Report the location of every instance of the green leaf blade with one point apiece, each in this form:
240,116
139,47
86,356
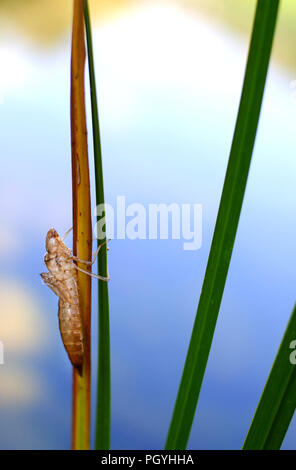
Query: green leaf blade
278,400
103,413
226,224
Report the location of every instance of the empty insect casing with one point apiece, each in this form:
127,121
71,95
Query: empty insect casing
62,280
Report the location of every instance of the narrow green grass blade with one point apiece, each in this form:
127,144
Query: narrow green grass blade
226,224
278,400
103,413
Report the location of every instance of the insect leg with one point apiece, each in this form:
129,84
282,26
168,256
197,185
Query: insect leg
66,234
97,276
90,263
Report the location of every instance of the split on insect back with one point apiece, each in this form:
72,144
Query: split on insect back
62,279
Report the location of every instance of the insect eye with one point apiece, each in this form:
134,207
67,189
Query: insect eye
51,244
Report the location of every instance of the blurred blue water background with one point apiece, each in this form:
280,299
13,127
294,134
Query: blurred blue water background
169,85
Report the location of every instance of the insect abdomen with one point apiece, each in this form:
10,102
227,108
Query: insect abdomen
71,331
